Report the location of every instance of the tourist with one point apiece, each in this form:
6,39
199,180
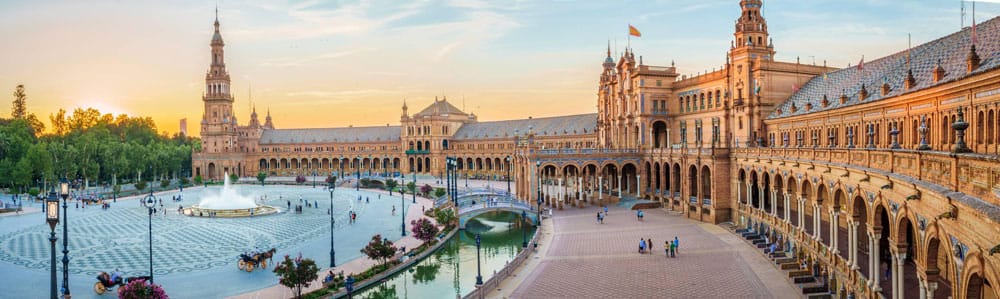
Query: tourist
329,277
666,248
366,200
289,203
650,242
887,271
677,244
394,210
673,249
605,210
598,217
642,245
315,203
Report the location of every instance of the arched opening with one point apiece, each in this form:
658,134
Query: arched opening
860,215
444,144
692,175
659,134
706,185
939,268
427,164
212,171
824,214
741,187
676,181
629,173
807,208
779,197
262,164
765,193
906,243
843,240
979,288
793,201
655,177
883,256
754,191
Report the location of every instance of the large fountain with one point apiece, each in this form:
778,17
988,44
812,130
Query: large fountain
228,204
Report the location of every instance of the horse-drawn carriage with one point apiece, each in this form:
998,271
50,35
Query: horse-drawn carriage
250,260
106,281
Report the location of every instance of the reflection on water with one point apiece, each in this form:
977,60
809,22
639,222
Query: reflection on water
451,271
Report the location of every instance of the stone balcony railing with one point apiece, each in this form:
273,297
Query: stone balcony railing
976,175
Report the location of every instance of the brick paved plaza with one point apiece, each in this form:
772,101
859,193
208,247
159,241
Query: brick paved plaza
583,259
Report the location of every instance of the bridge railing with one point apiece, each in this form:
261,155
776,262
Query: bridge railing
499,204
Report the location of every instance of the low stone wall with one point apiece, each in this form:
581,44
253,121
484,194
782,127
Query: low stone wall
362,285
498,277
195,211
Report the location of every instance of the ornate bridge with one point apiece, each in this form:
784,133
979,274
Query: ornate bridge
475,202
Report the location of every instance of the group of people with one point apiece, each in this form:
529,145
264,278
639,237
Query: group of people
669,247
601,215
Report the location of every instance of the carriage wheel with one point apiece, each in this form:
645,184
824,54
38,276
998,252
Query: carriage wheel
241,264
263,264
99,288
249,267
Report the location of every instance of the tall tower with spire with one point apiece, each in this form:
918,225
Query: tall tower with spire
218,123
750,39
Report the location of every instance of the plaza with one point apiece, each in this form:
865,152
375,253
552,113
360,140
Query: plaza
194,257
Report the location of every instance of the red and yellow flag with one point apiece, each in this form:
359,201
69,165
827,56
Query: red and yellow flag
633,31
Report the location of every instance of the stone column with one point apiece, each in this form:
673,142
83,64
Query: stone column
788,211
749,196
897,275
579,190
774,206
638,187
854,244
874,253
559,192
931,288
817,223
802,214
834,228
923,287
600,189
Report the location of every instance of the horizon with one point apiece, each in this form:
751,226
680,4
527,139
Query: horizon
362,60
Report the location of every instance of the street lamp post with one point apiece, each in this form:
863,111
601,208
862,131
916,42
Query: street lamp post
357,169
402,214
538,212
52,217
333,252
150,203
314,182
508,176
479,273
414,187
64,192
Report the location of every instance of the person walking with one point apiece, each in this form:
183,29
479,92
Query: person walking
673,249
666,248
650,242
677,244
638,215
598,217
642,246
605,210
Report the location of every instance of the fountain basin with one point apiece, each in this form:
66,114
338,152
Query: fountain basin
197,211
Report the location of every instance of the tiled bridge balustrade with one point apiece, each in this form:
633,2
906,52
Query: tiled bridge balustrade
931,218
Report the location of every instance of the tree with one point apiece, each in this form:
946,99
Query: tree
234,177
331,180
391,184
426,189
412,187
300,179
424,230
379,249
19,108
439,192
261,176
444,216
296,273
198,180
140,185
164,183
139,289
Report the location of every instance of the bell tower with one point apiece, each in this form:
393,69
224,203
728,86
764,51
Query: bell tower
750,39
218,123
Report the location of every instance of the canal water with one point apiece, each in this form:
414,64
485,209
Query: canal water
451,271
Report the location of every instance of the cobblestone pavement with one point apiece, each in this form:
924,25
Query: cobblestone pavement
590,260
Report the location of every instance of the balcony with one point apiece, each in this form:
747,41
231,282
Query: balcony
417,152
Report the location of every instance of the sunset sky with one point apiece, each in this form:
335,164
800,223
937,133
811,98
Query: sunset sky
339,63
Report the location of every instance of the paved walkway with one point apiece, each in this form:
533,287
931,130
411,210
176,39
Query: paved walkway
579,258
354,266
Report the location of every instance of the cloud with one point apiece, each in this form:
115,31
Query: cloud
298,61
308,20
